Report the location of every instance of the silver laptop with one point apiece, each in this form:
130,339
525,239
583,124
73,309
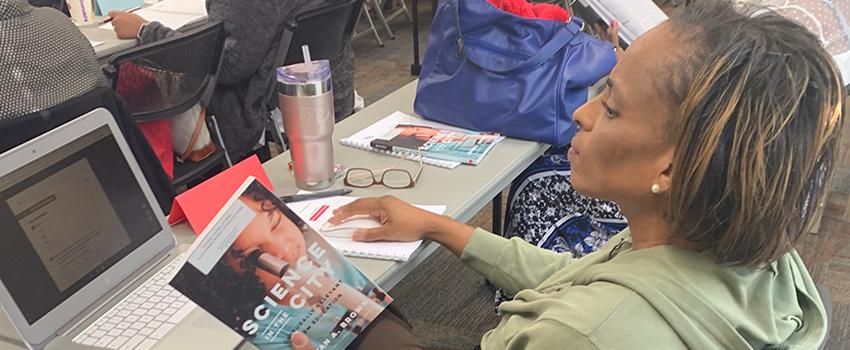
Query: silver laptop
86,253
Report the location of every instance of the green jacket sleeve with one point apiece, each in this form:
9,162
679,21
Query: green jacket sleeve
511,264
543,334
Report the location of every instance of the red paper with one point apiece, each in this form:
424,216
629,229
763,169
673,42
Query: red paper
199,204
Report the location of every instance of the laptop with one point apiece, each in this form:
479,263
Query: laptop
86,253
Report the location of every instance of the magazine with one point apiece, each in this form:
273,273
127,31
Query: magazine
262,271
402,135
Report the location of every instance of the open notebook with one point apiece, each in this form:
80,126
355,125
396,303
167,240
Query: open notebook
448,148
317,212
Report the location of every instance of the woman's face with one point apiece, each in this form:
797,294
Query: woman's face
271,232
621,149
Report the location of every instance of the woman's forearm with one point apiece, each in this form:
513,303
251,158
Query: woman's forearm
449,233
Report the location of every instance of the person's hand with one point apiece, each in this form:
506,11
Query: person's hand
126,24
614,37
300,341
399,221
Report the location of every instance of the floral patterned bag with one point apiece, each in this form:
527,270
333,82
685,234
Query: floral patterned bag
544,209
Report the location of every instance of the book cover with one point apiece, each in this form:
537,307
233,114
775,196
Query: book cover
463,146
404,138
262,271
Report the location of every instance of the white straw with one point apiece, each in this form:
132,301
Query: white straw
306,51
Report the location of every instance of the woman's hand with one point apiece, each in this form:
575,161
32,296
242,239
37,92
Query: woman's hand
400,221
300,341
403,222
126,24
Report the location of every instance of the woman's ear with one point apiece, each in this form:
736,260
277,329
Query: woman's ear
664,179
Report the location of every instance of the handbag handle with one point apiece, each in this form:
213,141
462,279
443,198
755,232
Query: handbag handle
195,134
563,37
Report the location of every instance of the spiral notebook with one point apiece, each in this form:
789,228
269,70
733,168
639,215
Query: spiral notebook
317,212
363,139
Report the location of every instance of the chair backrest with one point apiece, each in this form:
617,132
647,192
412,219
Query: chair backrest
326,29
15,131
164,78
56,4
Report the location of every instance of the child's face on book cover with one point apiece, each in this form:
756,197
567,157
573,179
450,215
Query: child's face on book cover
270,231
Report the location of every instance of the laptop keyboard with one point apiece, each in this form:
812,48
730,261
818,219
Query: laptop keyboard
143,317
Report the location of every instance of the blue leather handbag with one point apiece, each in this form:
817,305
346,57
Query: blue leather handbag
489,70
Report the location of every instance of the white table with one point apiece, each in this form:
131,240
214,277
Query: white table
464,190
110,43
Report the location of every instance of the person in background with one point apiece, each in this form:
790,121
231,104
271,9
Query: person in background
245,93
716,134
40,71
46,61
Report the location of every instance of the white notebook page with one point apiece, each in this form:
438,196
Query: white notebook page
191,7
317,212
168,19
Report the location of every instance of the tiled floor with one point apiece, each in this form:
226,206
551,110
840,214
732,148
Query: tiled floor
383,70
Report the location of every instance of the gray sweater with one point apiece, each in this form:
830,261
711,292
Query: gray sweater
246,80
44,59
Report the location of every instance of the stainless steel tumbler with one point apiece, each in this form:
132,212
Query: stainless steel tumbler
305,99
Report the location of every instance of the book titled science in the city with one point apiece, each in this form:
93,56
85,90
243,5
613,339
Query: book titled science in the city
265,273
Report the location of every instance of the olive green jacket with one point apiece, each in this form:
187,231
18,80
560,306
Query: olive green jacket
660,298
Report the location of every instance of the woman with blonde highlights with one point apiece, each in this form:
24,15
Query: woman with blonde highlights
716,135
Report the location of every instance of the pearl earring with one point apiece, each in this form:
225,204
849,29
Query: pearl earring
656,188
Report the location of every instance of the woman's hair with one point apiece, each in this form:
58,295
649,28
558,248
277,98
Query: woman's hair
258,193
756,130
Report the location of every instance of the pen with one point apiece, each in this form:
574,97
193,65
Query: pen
316,195
127,10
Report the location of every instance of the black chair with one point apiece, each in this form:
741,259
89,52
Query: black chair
326,29
184,68
57,4
15,131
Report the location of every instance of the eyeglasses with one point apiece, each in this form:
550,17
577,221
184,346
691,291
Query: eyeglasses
392,177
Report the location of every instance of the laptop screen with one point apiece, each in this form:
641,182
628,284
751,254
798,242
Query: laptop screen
66,217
